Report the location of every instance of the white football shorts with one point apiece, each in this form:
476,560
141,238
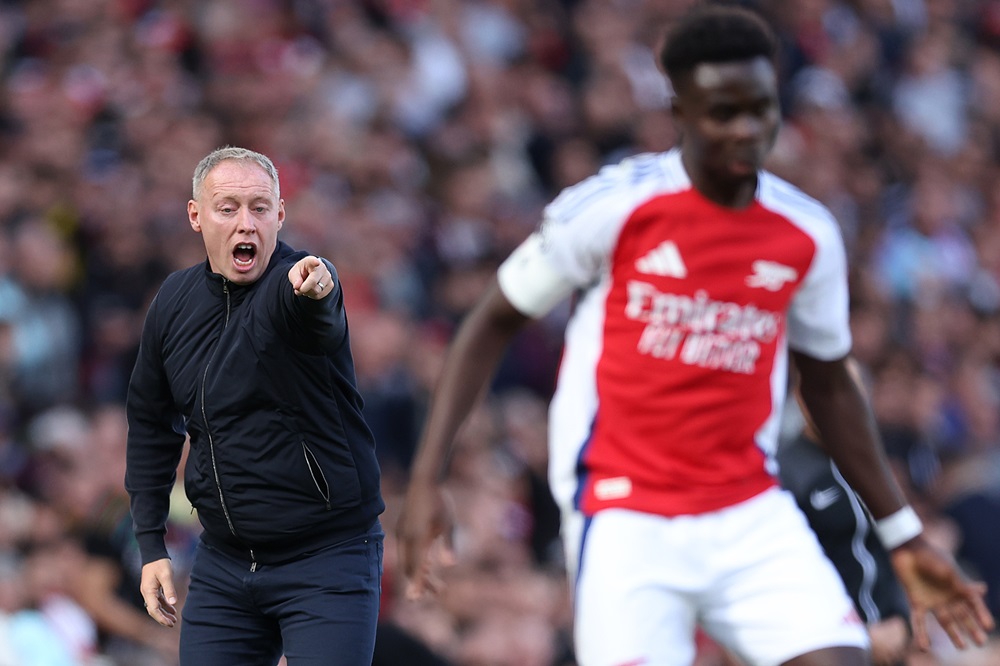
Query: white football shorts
753,576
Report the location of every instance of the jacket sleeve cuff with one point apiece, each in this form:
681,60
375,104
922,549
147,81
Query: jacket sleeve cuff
151,547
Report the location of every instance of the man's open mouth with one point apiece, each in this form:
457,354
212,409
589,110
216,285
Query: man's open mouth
244,254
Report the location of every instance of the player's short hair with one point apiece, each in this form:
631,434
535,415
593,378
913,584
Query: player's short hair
715,32
214,158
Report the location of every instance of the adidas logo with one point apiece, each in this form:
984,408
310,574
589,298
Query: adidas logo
664,259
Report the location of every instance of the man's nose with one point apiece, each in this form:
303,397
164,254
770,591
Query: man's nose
246,221
747,127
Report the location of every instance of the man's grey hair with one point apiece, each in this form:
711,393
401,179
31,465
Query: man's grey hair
214,158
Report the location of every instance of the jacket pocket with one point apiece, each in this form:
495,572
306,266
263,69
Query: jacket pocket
316,472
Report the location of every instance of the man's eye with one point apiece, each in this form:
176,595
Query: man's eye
260,209
723,114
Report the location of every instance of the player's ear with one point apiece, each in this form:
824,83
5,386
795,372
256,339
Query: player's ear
676,109
678,87
193,217
281,212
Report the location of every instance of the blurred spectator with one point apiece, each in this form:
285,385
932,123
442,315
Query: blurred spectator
81,467
28,637
926,252
44,328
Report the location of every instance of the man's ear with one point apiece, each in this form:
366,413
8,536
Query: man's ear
676,109
281,212
193,215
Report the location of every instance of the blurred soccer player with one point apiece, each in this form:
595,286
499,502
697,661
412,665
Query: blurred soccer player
695,273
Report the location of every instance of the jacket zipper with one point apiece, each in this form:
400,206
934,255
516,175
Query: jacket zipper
316,472
208,432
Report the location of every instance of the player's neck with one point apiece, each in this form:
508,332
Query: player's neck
736,194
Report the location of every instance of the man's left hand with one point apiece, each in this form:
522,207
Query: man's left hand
310,277
934,584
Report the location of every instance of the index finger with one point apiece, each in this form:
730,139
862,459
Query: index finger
314,271
412,551
427,578
414,533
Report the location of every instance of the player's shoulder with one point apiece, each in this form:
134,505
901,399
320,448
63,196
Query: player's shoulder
644,170
623,184
782,197
647,167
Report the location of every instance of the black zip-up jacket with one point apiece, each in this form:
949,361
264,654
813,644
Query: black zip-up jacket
281,460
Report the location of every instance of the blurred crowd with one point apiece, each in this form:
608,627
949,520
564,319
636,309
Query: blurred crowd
417,142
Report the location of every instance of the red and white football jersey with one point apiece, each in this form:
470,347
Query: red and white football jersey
674,366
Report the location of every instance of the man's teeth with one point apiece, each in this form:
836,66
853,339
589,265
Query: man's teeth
248,250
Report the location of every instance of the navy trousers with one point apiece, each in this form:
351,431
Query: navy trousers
320,610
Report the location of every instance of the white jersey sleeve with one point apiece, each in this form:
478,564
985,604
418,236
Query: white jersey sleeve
578,231
818,318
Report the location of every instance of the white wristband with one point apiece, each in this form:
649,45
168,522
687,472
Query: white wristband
896,529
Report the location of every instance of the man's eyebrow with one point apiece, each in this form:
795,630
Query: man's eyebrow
253,198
